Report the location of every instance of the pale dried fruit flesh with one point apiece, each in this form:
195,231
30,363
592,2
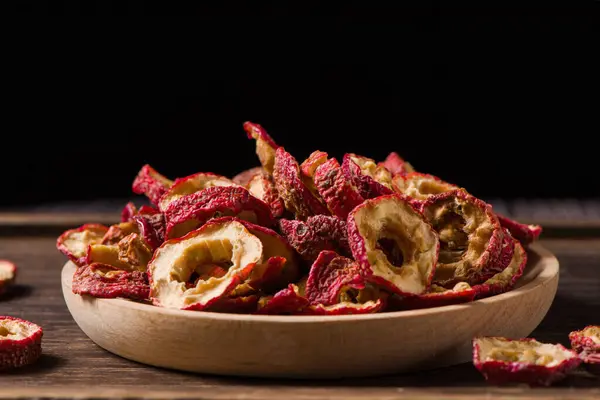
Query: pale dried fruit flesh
437,296
396,164
117,232
338,192
244,177
586,342
192,184
150,183
74,243
227,243
420,186
501,361
129,254
394,246
265,145
506,279
526,234
371,180
8,273
310,165
20,342
109,282
263,188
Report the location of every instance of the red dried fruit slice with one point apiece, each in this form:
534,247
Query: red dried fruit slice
244,177
420,186
329,276
236,305
191,211
470,236
130,254
265,145
394,246
339,193
288,301
192,184
152,226
317,233
175,260
263,188
503,261
109,282
369,179
151,183
74,243
586,342
296,196
310,165
20,342
346,308
501,360
8,273
396,164
438,296
526,234
118,231
128,212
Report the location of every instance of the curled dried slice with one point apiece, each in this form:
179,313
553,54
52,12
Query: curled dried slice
151,183
128,212
347,307
244,177
226,243
526,234
191,211
265,145
335,188
505,280
296,196
310,165
20,342
192,184
152,227
394,246
235,305
470,236
397,165
288,301
263,188
501,360
118,231
330,276
369,179
438,296
587,342
107,281
130,254
74,243
8,273
317,233
420,186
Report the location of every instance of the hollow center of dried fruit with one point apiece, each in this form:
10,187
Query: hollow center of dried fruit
359,296
392,251
453,239
4,331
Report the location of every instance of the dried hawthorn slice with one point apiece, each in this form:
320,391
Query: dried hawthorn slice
526,234
502,261
265,145
310,165
152,226
392,243
235,305
505,280
397,165
369,179
226,243
109,282
288,301
438,296
74,243
151,183
130,253
345,308
20,342
8,273
501,360
470,236
296,196
587,342
191,211
420,186
331,275
118,231
263,188
333,186
192,184
244,177
128,212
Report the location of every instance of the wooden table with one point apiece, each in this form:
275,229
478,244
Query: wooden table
74,367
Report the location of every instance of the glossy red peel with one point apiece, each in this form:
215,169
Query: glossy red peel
192,184
335,188
128,212
396,164
20,343
106,281
287,301
152,227
150,183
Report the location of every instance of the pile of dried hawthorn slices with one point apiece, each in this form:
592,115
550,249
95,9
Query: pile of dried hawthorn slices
313,238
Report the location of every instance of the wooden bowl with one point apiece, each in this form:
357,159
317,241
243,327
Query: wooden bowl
313,346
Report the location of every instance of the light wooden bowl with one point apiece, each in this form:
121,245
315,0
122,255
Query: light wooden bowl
313,346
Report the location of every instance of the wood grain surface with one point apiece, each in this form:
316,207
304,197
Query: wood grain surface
73,367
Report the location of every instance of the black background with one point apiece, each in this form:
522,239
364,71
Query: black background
502,101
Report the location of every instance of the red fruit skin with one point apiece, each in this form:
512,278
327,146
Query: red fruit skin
366,186
128,212
503,372
297,197
263,188
148,210
244,177
254,131
21,352
310,165
338,192
150,183
235,305
131,285
401,184
430,300
589,351
79,261
197,208
285,302
328,275
346,308
192,184
396,164
7,266
526,234
152,227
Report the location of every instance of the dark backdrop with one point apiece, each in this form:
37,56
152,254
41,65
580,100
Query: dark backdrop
499,101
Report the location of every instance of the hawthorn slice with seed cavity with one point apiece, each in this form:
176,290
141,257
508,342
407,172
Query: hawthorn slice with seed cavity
20,343
396,164
263,188
526,234
437,296
420,187
244,177
109,282
470,236
74,243
150,183
8,273
152,227
192,184
340,195
296,196
586,342
501,360
265,145
369,179
191,211
393,245
228,244
128,212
